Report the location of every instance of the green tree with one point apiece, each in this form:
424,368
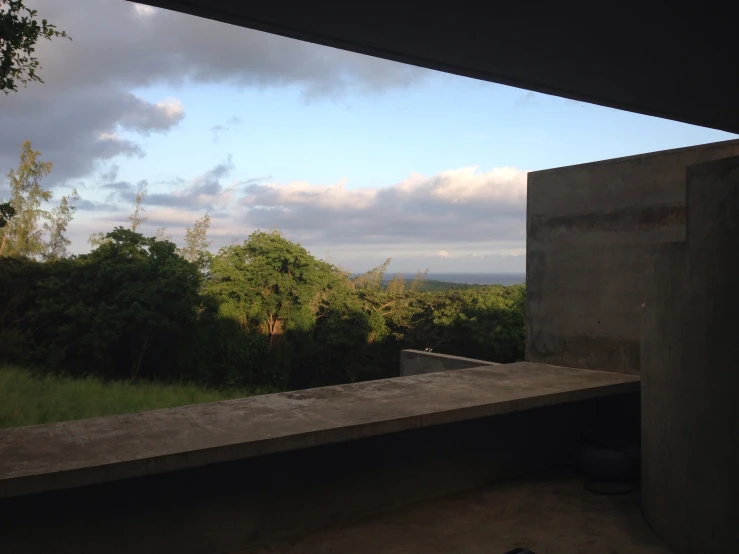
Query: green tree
269,282
56,226
7,212
372,280
23,235
19,278
162,234
97,239
197,243
130,300
137,218
19,33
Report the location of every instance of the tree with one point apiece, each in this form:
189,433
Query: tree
161,234
197,243
372,280
7,212
59,219
97,239
137,217
130,299
23,235
19,33
269,282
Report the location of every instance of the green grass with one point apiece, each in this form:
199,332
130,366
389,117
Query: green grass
26,399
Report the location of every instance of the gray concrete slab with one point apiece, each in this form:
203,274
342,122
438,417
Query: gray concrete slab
83,452
549,513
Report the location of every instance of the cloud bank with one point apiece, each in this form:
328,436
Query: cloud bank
85,113
462,214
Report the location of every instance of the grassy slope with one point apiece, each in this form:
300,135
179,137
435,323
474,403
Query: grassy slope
29,400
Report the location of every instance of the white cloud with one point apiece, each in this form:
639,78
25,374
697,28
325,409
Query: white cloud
143,10
462,203
457,218
119,46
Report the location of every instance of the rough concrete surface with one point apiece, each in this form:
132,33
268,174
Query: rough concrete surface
225,506
690,378
589,228
83,452
549,513
418,362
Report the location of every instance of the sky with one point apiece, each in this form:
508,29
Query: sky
356,158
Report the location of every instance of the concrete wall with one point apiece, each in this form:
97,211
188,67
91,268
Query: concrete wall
690,372
589,228
224,507
417,362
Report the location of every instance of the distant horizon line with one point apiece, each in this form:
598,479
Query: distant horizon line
450,272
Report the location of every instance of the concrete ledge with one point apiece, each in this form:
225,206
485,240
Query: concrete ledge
418,362
91,451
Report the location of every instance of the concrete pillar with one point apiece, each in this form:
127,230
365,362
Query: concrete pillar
690,371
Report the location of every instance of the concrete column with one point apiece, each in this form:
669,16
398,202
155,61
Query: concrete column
690,371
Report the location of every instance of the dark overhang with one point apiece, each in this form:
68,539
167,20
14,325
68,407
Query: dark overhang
681,69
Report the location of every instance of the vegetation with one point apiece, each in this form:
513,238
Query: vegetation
19,33
430,285
34,399
263,313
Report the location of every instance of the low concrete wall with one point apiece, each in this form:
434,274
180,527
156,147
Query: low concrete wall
418,362
589,228
227,506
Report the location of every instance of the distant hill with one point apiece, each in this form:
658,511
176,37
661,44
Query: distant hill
431,285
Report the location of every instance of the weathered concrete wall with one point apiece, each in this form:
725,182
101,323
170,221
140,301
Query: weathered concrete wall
417,362
690,372
588,231
223,507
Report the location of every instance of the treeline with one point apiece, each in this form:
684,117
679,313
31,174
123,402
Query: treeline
263,312
431,285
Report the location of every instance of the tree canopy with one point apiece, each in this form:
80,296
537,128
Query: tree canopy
264,312
19,33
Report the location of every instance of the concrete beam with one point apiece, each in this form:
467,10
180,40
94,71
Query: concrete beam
84,452
526,46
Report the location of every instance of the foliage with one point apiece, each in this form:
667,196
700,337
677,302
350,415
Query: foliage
197,244
430,285
137,218
97,239
270,314
19,33
23,234
56,226
30,399
268,283
7,212
261,313
127,302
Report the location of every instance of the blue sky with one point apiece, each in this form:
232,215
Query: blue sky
356,158
372,140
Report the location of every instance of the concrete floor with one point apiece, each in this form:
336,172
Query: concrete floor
549,514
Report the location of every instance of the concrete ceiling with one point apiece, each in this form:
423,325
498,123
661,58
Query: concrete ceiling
686,70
